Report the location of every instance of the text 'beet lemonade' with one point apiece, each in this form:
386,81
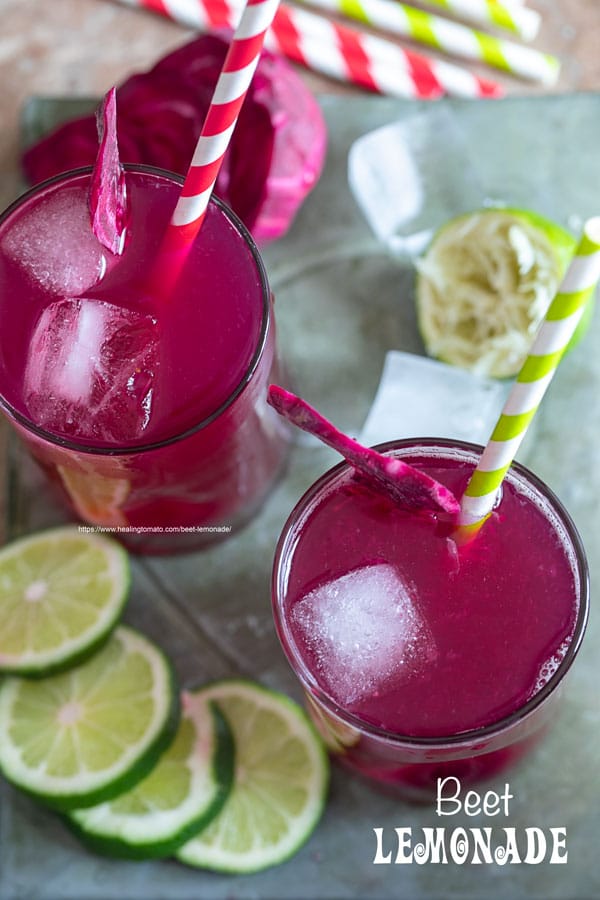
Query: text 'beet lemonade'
420,659
146,414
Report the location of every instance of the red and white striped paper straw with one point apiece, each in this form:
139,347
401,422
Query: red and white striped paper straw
337,50
230,91
442,34
371,61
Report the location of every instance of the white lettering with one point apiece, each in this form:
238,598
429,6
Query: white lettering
492,803
508,853
441,783
536,846
482,838
380,859
433,848
559,842
459,846
477,846
404,843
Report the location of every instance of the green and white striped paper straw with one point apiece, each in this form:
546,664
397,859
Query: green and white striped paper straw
450,37
554,334
505,14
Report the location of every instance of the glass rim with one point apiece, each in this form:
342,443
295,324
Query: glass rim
133,449
494,729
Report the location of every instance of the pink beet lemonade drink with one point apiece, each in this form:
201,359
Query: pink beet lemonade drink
150,416
419,660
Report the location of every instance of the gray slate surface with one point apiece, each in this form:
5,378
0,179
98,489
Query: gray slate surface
341,304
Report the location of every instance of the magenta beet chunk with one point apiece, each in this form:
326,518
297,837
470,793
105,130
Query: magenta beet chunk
275,156
108,195
407,486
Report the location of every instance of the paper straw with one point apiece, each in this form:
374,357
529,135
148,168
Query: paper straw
344,56
505,14
337,51
451,37
555,332
230,91
381,65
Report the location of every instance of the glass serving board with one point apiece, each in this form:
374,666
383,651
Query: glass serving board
341,303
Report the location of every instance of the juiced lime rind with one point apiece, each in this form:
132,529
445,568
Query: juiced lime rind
29,725
563,242
181,795
489,341
280,784
79,617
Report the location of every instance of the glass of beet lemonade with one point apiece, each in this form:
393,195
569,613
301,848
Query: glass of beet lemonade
420,658
150,417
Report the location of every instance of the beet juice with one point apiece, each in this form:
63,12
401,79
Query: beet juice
419,658
150,415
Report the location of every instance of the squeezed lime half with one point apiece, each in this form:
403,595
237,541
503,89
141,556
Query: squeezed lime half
484,285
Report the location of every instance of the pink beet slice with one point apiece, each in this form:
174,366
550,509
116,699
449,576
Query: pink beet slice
407,486
107,195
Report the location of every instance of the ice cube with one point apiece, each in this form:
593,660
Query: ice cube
410,176
363,629
91,369
421,397
55,246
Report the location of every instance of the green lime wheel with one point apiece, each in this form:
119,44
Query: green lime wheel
180,796
61,594
280,783
85,735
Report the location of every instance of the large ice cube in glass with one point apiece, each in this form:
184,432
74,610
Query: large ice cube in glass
91,370
363,629
55,246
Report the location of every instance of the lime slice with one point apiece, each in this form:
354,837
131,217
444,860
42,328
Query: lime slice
280,783
97,498
86,735
484,285
179,797
61,594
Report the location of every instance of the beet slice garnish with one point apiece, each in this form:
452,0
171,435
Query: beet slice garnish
408,487
108,195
